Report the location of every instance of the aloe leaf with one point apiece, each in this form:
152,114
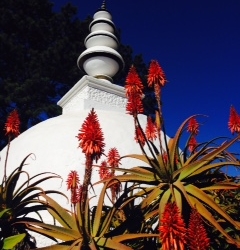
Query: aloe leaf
28,183
12,241
163,201
133,178
104,227
4,211
177,198
57,232
138,171
203,197
124,237
60,214
178,184
19,194
153,195
149,161
220,186
202,151
110,243
98,215
191,168
208,216
174,142
214,166
58,247
151,214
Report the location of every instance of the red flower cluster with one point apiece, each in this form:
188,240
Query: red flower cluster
156,74
104,172
139,136
234,121
151,130
156,77
12,124
193,126
91,139
134,93
113,161
172,228
72,180
197,235
113,158
192,144
133,82
76,188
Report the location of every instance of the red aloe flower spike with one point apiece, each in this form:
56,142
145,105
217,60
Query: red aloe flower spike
12,130
134,93
73,183
192,144
12,124
157,79
76,195
91,139
133,83
104,172
134,105
139,136
234,121
156,74
115,190
72,180
197,235
172,228
193,126
151,130
113,158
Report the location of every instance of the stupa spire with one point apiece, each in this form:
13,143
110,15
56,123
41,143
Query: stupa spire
101,59
103,7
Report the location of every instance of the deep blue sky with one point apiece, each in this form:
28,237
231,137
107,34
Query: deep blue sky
197,42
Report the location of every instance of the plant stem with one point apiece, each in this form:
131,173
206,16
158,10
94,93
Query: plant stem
5,164
84,197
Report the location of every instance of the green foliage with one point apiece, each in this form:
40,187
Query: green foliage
189,180
38,57
99,228
19,199
12,241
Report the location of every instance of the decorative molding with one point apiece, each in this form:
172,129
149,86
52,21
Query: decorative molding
90,92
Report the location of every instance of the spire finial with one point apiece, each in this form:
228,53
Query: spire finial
103,7
101,59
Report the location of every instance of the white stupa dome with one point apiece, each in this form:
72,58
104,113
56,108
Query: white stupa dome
53,142
54,145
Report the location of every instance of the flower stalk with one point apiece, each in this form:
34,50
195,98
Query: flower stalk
12,126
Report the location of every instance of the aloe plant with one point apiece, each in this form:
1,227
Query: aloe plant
187,180
19,199
188,175
103,226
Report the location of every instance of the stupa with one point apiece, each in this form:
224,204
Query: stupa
53,142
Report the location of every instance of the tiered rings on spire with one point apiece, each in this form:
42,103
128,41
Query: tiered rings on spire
101,59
